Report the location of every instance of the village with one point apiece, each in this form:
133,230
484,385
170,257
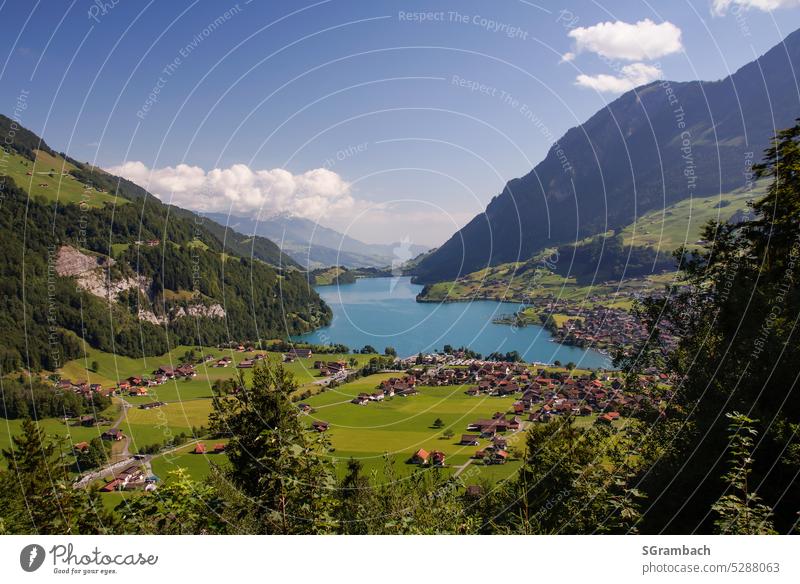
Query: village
526,394
537,396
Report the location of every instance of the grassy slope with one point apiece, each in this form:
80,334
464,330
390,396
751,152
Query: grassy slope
666,230
54,172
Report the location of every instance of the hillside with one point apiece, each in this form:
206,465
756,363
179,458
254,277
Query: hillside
653,146
621,266
124,272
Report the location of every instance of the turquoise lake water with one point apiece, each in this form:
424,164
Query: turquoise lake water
383,312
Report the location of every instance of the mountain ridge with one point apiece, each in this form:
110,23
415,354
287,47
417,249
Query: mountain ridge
680,139
313,245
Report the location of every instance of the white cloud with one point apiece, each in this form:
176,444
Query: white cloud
720,7
313,194
567,57
630,76
631,42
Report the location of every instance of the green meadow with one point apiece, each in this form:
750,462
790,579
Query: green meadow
188,401
49,178
399,426
392,429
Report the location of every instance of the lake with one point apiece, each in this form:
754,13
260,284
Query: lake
384,312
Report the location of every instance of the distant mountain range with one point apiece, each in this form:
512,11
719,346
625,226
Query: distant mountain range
651,147
313,246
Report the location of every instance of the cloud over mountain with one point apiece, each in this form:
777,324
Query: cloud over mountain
243,190
630,76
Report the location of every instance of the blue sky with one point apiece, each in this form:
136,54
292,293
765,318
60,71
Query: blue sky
364,115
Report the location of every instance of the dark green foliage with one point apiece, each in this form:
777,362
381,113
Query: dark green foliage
93,457
283,470
604,259
235,243
31,398
258,300
739,511
21,140
36,496
738,351
573,480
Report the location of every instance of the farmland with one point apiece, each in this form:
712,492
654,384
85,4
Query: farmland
399,426
392,429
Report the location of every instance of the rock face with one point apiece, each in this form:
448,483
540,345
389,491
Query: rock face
72,262
91,273
199,311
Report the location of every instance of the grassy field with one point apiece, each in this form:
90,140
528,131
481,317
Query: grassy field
501,283
394,428
198,465
188,400
50,178
58,429
398,426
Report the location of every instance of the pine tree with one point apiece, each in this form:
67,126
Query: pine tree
36,495
285,470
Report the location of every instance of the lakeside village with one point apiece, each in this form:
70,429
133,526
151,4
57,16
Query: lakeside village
585,325
540,394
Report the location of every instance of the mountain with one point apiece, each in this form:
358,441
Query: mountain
90,258
655,145
313,245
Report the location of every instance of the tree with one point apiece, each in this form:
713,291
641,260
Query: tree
740,511
570,366
93,456
737,350
390,352
181,506
353,362
448,434
278,465
369,350
438,423
36,495
573,480
95,366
